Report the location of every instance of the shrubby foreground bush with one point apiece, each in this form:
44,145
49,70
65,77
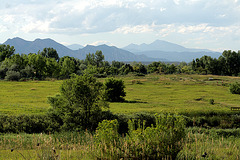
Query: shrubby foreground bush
164,140
235,88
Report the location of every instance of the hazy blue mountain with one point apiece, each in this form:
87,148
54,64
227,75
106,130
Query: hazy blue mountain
143,52
170,51
113,53
26,47
75,46
179,56
110,53
160,45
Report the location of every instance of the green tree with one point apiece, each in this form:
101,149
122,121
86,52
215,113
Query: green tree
231,61
125,69
171,69
79,102
68,67
50,53
52,68
6,51
157,67
117,64
38,62
95,59
114,90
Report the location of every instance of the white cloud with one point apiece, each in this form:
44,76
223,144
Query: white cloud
134,29
37,26
101,42
162,18
93,16
3,29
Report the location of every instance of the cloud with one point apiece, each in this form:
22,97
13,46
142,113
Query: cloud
213,19
101,42
94,16
2,29
135,29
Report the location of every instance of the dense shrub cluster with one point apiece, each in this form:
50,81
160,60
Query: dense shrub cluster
216,121
156,142
235,88
28,124
114,90
52,122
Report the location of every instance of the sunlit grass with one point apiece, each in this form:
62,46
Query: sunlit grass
152,93
177,93
26,97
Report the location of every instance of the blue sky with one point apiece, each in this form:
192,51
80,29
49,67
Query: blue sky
208,24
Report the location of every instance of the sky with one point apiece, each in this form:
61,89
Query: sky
205,24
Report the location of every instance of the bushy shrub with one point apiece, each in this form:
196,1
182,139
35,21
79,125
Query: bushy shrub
114,90
28,124
235,88
12,76
211,101
107,139
3,71
155,142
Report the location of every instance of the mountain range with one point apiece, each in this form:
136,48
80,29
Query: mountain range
169,51
156,51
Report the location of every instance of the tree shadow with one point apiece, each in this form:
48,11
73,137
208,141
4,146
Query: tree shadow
126,101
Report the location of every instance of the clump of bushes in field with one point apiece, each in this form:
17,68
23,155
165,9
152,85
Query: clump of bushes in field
235,88
28,124
82,99
162,140
114,90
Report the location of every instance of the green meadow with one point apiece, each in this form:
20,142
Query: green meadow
151,93
26,97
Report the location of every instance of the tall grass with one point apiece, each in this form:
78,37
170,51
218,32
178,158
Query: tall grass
197,144
83,145
46,146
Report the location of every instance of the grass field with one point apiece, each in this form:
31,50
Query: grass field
152,93
26,97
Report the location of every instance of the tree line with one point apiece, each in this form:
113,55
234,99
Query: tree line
48,64
227,64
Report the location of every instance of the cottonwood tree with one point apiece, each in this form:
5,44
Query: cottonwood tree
79,102
95,59
50,53
6,51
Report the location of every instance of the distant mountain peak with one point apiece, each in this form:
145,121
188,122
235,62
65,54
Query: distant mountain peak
160,45
26,47
16,39
156,51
